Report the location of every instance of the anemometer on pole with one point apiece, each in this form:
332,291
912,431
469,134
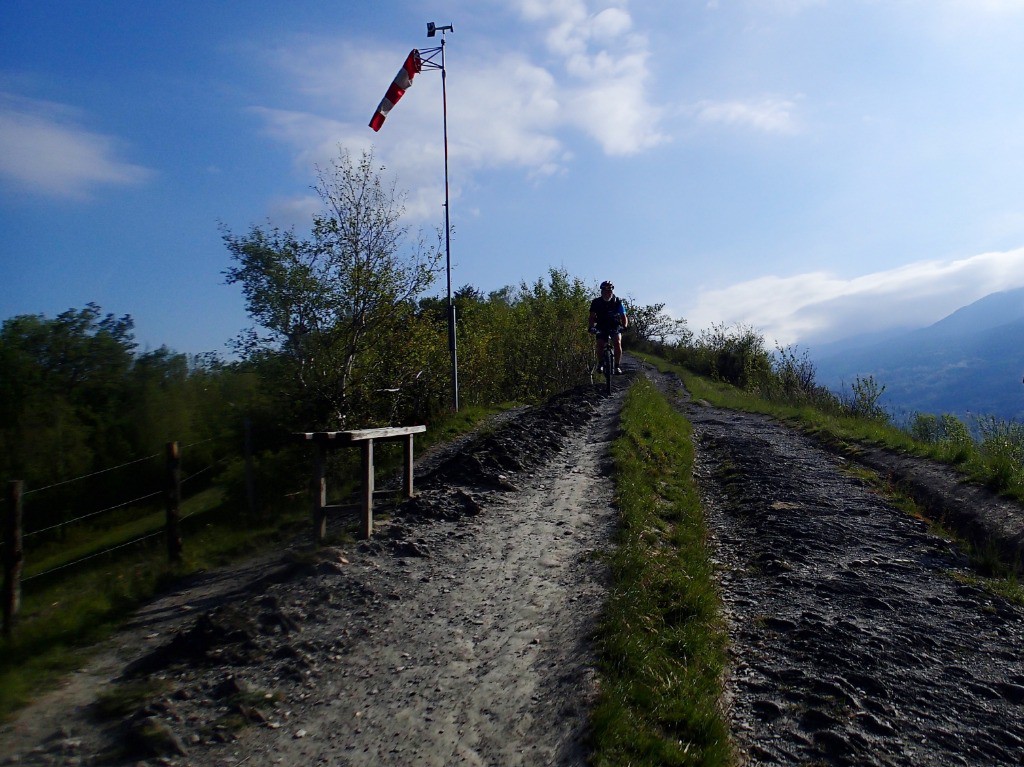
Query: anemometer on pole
415,62
429,55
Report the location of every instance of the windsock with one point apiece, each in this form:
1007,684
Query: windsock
399,86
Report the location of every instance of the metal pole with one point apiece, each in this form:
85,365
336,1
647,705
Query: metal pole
452,346
13,555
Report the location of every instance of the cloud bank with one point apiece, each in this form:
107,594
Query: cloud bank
583,69
43,151
817,307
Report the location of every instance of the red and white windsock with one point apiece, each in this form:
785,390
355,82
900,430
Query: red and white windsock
399,86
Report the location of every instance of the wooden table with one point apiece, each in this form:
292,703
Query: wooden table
328,440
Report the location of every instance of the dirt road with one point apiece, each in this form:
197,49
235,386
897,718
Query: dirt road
854,636
462,634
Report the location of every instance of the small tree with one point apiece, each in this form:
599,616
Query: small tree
651,324
328,301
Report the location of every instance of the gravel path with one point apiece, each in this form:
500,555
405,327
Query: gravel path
460,635
853,640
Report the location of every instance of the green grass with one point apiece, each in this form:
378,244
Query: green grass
82,541
850,434
844,430
662,639
992,572
456,424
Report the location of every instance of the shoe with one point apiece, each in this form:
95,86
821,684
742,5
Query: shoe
618,371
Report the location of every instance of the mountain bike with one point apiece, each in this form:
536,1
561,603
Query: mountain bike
608,357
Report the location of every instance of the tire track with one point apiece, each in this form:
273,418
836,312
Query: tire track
853,641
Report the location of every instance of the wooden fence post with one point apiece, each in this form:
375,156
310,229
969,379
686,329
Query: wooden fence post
173,492
250,473
319,492
407,455
13,554
366,523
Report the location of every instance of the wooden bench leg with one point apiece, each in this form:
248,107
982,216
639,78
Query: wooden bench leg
319,489
367,522
408,466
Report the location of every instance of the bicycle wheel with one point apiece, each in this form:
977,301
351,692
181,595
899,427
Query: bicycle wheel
609,366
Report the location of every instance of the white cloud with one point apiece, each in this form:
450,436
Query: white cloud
986,6
43,151
501,114
818,307
507,111
605,94
768,114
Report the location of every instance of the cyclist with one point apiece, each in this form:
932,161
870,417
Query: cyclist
607,319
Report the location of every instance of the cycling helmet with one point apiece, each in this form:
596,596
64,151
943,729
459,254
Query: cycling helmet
607,284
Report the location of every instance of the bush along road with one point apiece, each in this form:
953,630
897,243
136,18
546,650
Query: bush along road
464,633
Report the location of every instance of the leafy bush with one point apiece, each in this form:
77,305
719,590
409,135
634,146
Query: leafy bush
1002,448
736,355
863,400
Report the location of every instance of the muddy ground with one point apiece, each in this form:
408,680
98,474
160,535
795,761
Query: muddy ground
463,632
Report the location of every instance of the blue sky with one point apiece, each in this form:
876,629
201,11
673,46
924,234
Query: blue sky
814,168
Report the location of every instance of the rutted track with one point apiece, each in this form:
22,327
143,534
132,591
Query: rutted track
852,641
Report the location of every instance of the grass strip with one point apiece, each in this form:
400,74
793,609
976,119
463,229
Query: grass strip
662,636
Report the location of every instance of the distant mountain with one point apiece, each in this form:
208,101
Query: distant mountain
859,342
971,361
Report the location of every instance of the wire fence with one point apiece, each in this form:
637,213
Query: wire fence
68,565
92,474
82,518
143,498
13,544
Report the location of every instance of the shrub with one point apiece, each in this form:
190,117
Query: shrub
1002,448
925,427
863,400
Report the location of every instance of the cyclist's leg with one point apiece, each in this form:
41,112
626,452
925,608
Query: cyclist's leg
618,351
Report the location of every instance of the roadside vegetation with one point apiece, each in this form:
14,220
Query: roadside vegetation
733,367
345,335
662,639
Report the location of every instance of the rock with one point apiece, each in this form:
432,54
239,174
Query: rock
815,720
251,714
229,687
469,504
832,743
330,568
874,725
1012,692
151,737
781,625
410,549
767,710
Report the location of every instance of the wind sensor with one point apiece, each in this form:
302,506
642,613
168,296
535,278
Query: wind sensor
433,29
